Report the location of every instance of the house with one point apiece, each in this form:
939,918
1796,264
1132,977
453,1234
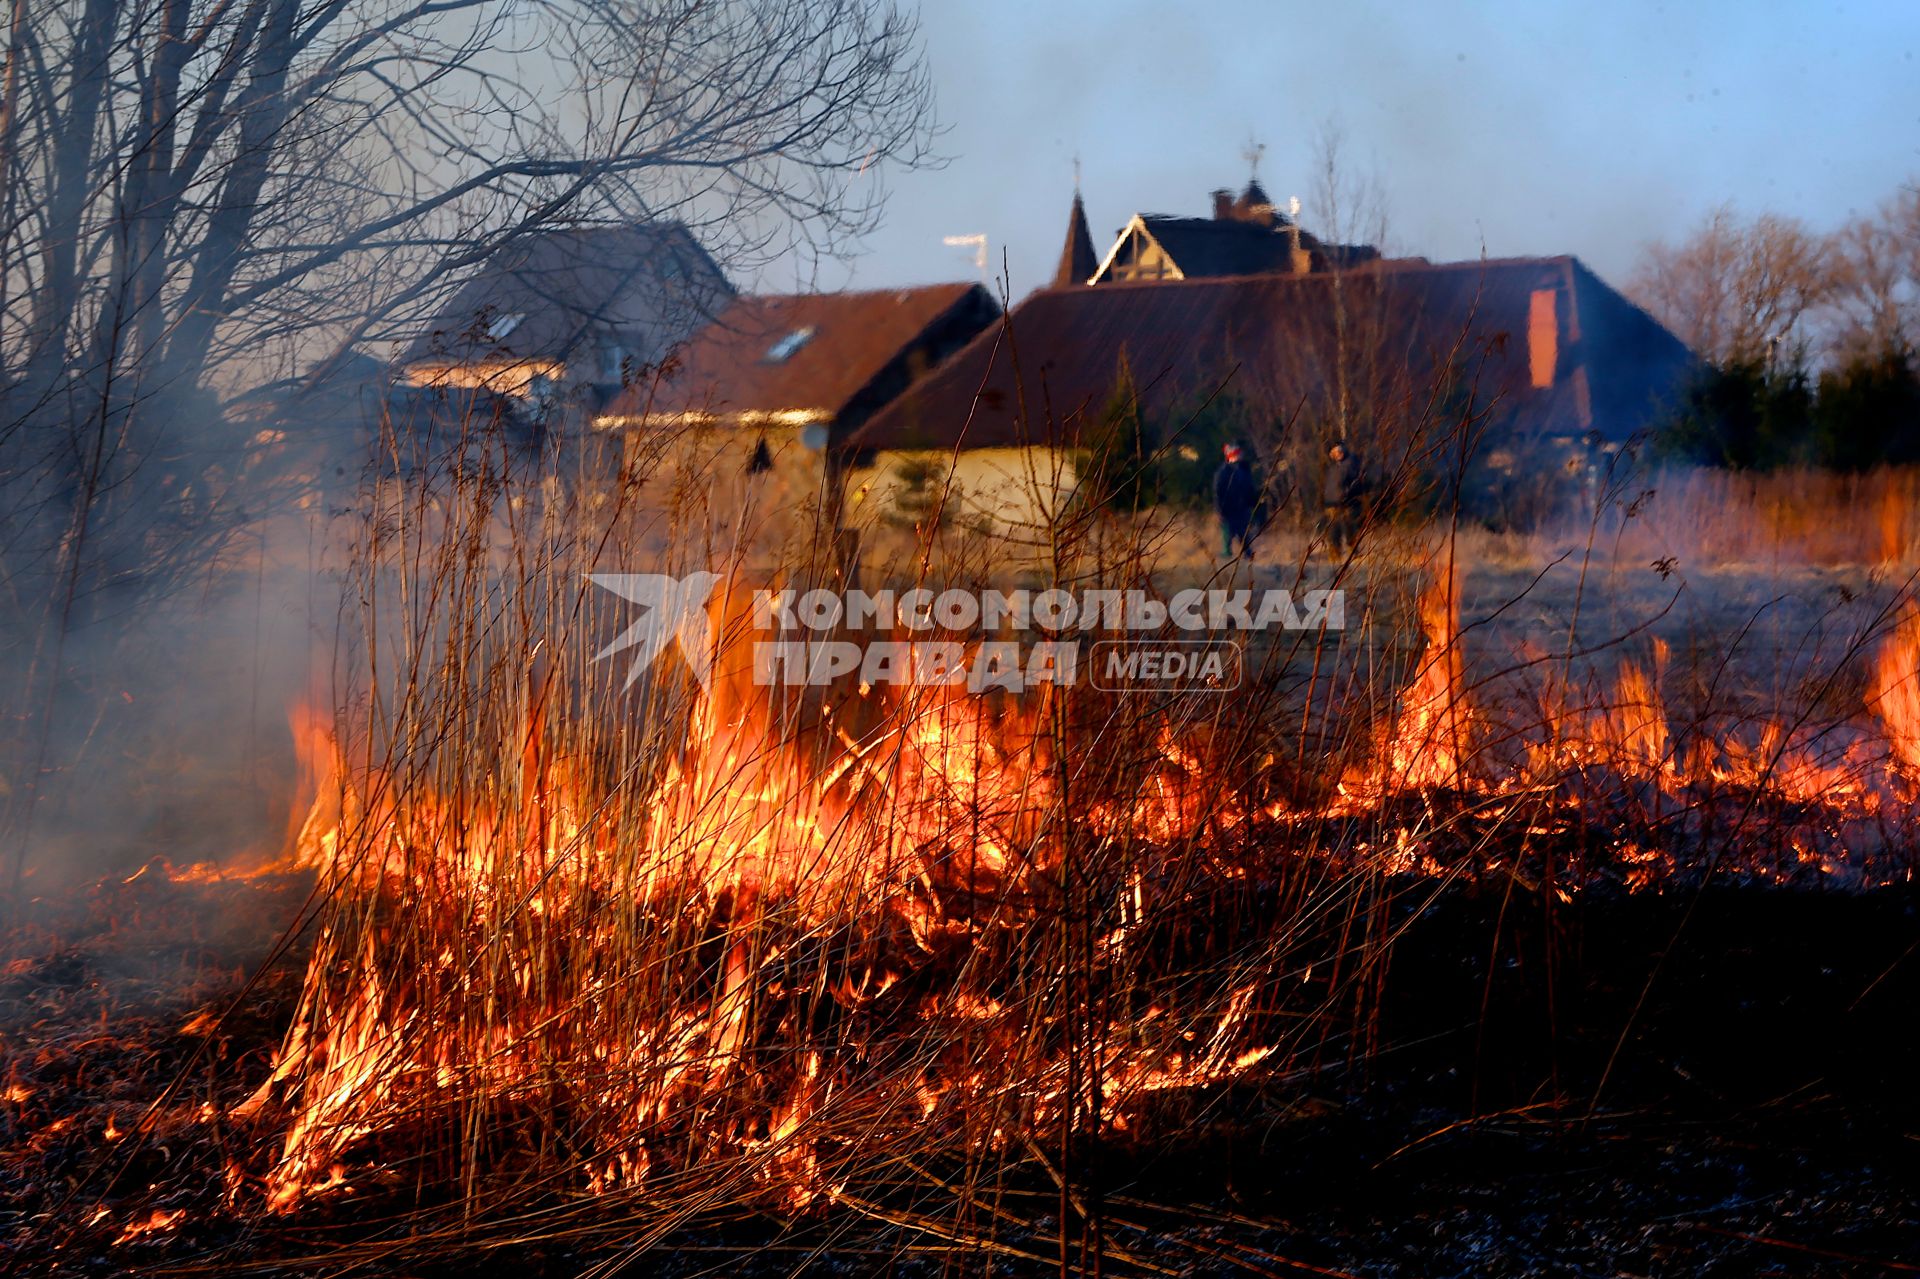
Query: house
1517,358
1247,235
745,426
571,308
552,323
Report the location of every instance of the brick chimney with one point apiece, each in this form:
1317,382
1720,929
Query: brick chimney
1298,258
1223,206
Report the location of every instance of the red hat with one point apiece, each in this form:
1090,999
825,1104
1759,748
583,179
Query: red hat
1233,452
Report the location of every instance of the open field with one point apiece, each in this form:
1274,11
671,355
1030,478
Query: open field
1554,879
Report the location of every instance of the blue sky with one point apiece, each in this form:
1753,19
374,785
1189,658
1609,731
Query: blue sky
1531,128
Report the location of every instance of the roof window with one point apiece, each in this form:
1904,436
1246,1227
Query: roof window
783,350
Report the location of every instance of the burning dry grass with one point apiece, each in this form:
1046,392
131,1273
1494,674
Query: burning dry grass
590,964
813,943
840,948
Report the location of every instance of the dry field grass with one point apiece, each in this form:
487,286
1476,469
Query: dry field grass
1034,985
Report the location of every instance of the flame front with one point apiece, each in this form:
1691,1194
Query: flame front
830,926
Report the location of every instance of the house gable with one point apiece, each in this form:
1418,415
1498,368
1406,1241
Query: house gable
1244,236
1136,254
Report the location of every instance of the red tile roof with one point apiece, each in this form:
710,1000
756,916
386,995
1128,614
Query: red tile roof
1272,340
809,352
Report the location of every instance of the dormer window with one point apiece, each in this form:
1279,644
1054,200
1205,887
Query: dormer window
504,323
783,350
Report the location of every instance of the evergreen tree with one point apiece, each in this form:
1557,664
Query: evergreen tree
1122,469
1868,413
1746,416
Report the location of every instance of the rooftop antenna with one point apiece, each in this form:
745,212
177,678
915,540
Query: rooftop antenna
1252,153
1076,174
978,243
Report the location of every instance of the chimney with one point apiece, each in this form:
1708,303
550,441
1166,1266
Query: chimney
1297,257
1543,336
1223,206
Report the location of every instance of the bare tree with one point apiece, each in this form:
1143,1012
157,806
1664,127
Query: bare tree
1739,291
1876,298
1347,341
193,186
195,192
1350,209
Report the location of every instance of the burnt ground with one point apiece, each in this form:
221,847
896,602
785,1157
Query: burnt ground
128,1012
1760,1116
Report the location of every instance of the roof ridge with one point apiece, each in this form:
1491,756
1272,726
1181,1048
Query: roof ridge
960,285
1377,266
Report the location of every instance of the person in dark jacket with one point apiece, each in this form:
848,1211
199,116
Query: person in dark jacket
1236,495
1341,490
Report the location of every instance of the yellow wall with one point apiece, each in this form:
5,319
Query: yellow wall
693,482
992,490
698,483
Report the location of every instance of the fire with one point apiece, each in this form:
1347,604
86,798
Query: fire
1429,741
1633,725
203,1022
318,754
1896,692
156,1222
831,922
1626,733
1433,742
545,930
